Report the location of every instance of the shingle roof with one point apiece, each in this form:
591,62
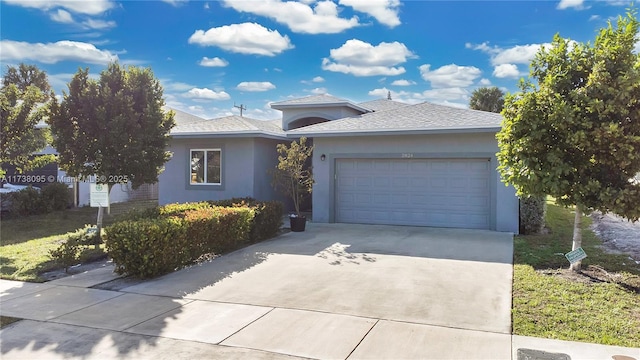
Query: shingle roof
226,126
323,100
183,118
313,99
382,104
419,118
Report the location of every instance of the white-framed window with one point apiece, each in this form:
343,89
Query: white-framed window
206,167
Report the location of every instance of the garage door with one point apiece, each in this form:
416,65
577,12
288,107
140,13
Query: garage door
423,192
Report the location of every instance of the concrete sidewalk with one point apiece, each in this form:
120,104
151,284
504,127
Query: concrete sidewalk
333,292
68,320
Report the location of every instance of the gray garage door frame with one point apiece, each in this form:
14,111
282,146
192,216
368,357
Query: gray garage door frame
489,157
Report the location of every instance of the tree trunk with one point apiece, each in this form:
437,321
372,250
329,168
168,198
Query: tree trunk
577,237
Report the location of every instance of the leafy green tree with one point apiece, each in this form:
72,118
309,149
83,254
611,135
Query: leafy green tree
573,131
292,176
487,99
113,128
23,98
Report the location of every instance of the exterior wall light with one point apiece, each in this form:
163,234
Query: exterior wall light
323,157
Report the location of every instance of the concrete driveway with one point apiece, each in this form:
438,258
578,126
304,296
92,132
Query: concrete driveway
334,291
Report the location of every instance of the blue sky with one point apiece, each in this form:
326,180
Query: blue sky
209,55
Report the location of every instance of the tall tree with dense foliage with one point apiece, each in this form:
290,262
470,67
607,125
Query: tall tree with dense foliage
113,128
23,98
487,99
573,131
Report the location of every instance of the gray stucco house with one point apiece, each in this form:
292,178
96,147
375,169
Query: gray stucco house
377,162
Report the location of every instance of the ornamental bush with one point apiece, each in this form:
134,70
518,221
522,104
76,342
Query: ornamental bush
56,196
73,245
27,202
34,201
533,210
267,219
156,241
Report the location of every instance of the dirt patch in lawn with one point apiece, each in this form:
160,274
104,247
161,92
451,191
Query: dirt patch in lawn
619,236
595,274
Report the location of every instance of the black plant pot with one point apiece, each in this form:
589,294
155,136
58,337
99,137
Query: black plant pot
298,223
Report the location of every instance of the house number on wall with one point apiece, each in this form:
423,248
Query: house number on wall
406,155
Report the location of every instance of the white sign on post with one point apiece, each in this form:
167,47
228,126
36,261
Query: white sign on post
98,195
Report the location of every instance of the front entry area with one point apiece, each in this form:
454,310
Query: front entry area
453,193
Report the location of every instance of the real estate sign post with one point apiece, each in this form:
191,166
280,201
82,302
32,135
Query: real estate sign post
98,195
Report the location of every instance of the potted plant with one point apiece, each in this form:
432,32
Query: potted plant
293,178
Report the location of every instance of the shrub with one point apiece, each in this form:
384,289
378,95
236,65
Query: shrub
56,196
532,214
267,220
68,253
149,247
27,202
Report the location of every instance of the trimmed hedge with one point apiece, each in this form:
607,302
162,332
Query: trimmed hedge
533,210
157,241
267,220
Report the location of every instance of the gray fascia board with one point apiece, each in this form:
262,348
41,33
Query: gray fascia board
205,135
318,105
394,132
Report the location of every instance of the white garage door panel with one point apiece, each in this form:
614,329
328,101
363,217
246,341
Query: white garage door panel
424,192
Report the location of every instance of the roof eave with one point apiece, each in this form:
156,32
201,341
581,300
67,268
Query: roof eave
316,105
402,132
239,134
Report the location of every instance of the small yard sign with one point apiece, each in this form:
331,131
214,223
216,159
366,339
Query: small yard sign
98,195
575,255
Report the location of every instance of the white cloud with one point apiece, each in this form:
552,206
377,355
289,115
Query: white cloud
401,96
175,2
637,47
519,54
245,38
206,94
454,96
449,76
92,7
363,59
484,82
98,24
565,4
506,71
298,16
255,86
318,91
403,82
61,16
51,53
213,62
362,70
169,85
65,17
446,94
385,11
317,79
594,17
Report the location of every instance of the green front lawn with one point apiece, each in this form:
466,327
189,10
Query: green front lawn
601,305
26,242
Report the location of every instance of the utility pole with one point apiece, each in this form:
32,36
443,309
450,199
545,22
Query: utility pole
241,107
